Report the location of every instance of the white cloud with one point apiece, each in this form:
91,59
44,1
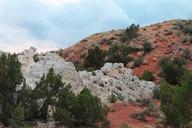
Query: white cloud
15,39
58,2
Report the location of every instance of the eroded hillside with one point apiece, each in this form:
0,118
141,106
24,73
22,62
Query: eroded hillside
168,39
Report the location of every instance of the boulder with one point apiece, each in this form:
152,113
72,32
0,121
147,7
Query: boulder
33,71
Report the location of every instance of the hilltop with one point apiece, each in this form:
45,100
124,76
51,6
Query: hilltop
168,39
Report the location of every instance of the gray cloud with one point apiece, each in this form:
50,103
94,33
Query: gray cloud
60,26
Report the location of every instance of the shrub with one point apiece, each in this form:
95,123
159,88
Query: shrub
81,110
64,106
79,66
148,76
18,118
10,78
113,98
186,55
88,109
172,69
130,33
47,91
147,47
156,93
119,54
105,124
93,73
94,58
124,125
35,58
138,62
186,26
176,101
63,116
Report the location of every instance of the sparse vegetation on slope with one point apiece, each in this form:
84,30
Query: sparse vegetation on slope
176,101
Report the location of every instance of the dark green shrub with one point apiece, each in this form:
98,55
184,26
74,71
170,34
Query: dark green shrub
148,76
81,110
113,98
10,78
47,90
130,33
185,26
186,55
18,118
147,47
94,58
124,125
138,62
119,54
105,124
176,102
63,116
172,69
156,93
93,73
35,58
88,109
79,66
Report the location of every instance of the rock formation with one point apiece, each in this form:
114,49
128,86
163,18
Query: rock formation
110,79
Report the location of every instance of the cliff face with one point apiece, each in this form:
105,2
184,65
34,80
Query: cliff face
167,39
110,79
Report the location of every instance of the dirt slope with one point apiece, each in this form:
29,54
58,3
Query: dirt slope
166,38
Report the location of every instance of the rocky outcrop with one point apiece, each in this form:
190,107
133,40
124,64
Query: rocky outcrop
118,80
33,71
110,79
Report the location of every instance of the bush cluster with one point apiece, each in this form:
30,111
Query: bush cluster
23,104
176,101
148,76
95,58
186,26
130,33
119,54
172,69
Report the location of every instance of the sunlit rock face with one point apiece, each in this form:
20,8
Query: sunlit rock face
110,79
118,80
33,70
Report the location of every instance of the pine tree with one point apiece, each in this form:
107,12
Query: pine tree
10,78
95,58
46,92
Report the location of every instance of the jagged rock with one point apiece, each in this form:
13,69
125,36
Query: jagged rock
33,71
116,79
111,78
130,64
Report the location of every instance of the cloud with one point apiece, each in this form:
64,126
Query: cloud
58,2
16,39
61,23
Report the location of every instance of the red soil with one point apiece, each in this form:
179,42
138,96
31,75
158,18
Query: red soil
122,113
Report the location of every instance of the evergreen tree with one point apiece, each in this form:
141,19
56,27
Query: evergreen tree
131,32
172,69
10,78
46,92
95,58
147,47
176,101
88,109
119,54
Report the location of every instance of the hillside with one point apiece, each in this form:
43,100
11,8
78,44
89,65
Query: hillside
167,39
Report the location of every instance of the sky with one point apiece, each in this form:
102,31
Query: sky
53,24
